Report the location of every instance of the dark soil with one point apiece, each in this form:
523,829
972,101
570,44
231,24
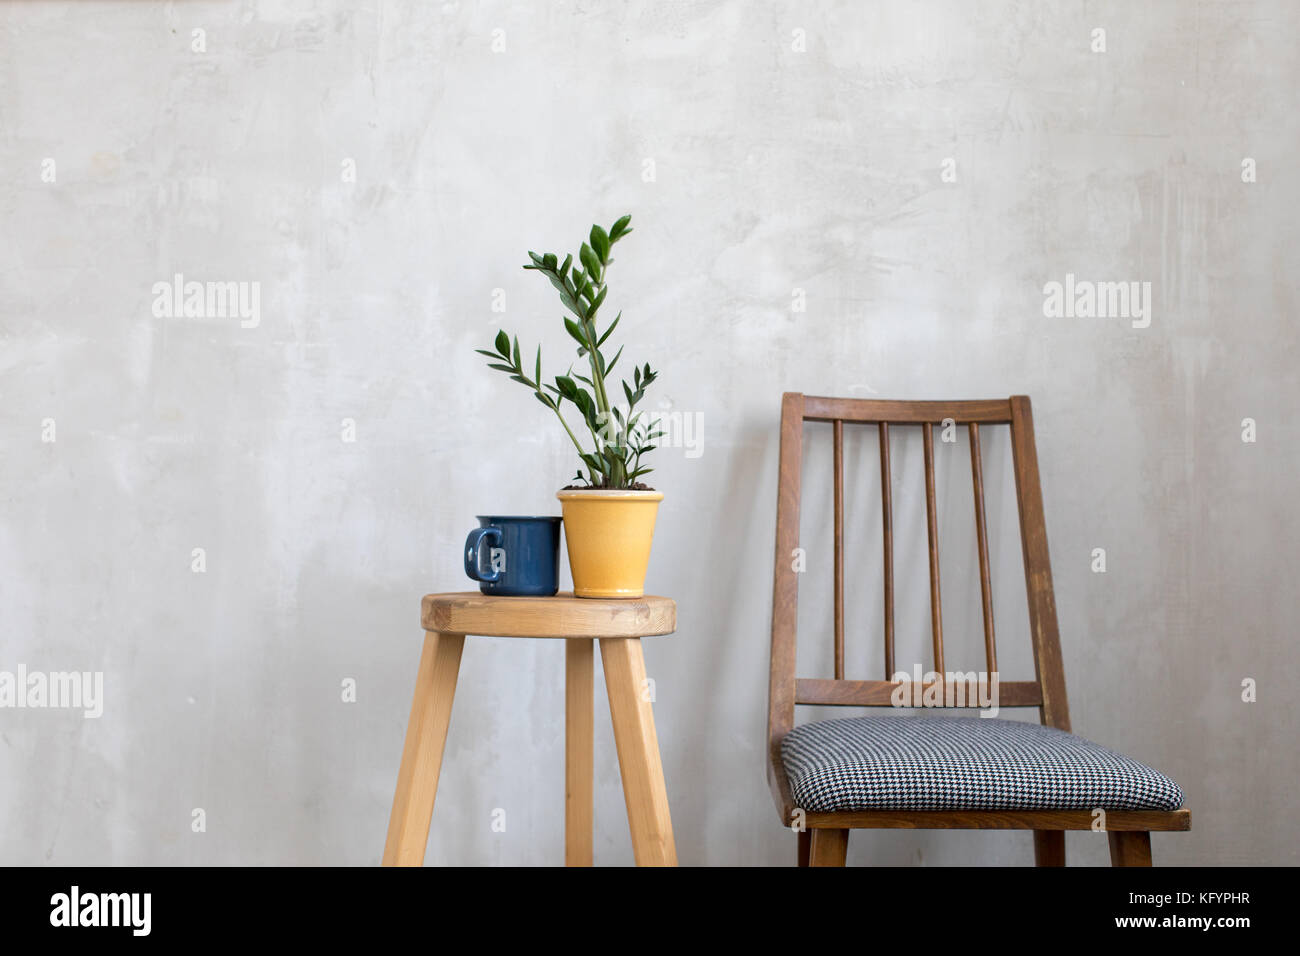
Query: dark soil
636,486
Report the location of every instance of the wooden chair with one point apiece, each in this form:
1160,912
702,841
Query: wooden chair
823,837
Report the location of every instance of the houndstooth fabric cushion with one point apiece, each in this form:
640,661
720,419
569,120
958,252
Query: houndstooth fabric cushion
962,763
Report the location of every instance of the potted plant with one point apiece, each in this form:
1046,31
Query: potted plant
609,516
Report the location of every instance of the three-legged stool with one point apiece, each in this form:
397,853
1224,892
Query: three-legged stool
619,625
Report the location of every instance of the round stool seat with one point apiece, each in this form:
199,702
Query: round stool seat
561,616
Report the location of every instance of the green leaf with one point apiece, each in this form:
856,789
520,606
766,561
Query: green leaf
600,243
628,392
574,305
564,269
590,260
575,330
571,296
501,368
549,260
620,229
518,362
538,377
503,343
609,368
491,355
595,303
609,330
545,400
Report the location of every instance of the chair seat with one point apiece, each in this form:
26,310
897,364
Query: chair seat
962,763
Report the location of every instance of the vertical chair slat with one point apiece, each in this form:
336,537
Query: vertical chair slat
936,604
981,532
839,549
887,533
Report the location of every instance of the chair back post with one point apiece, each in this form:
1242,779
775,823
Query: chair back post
785,598
1044,634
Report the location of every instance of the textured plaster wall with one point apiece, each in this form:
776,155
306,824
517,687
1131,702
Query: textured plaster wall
772,155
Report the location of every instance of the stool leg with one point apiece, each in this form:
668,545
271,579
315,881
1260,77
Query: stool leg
579,671
426,735
638,752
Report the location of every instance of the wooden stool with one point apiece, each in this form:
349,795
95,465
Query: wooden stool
619,625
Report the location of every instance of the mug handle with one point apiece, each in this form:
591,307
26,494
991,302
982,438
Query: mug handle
473,544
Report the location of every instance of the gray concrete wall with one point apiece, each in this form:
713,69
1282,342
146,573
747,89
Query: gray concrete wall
772,155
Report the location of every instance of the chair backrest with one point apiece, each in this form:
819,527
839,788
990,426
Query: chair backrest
786,689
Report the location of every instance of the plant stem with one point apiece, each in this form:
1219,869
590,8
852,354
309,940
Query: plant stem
572,437
597,377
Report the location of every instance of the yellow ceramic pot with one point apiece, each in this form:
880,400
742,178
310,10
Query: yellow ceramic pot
608,534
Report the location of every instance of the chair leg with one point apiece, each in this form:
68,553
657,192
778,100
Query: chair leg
828,847
639,762
579,668
805,845
426,736
1130,848
1049,848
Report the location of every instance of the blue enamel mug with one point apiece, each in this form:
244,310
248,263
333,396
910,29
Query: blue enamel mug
514,556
